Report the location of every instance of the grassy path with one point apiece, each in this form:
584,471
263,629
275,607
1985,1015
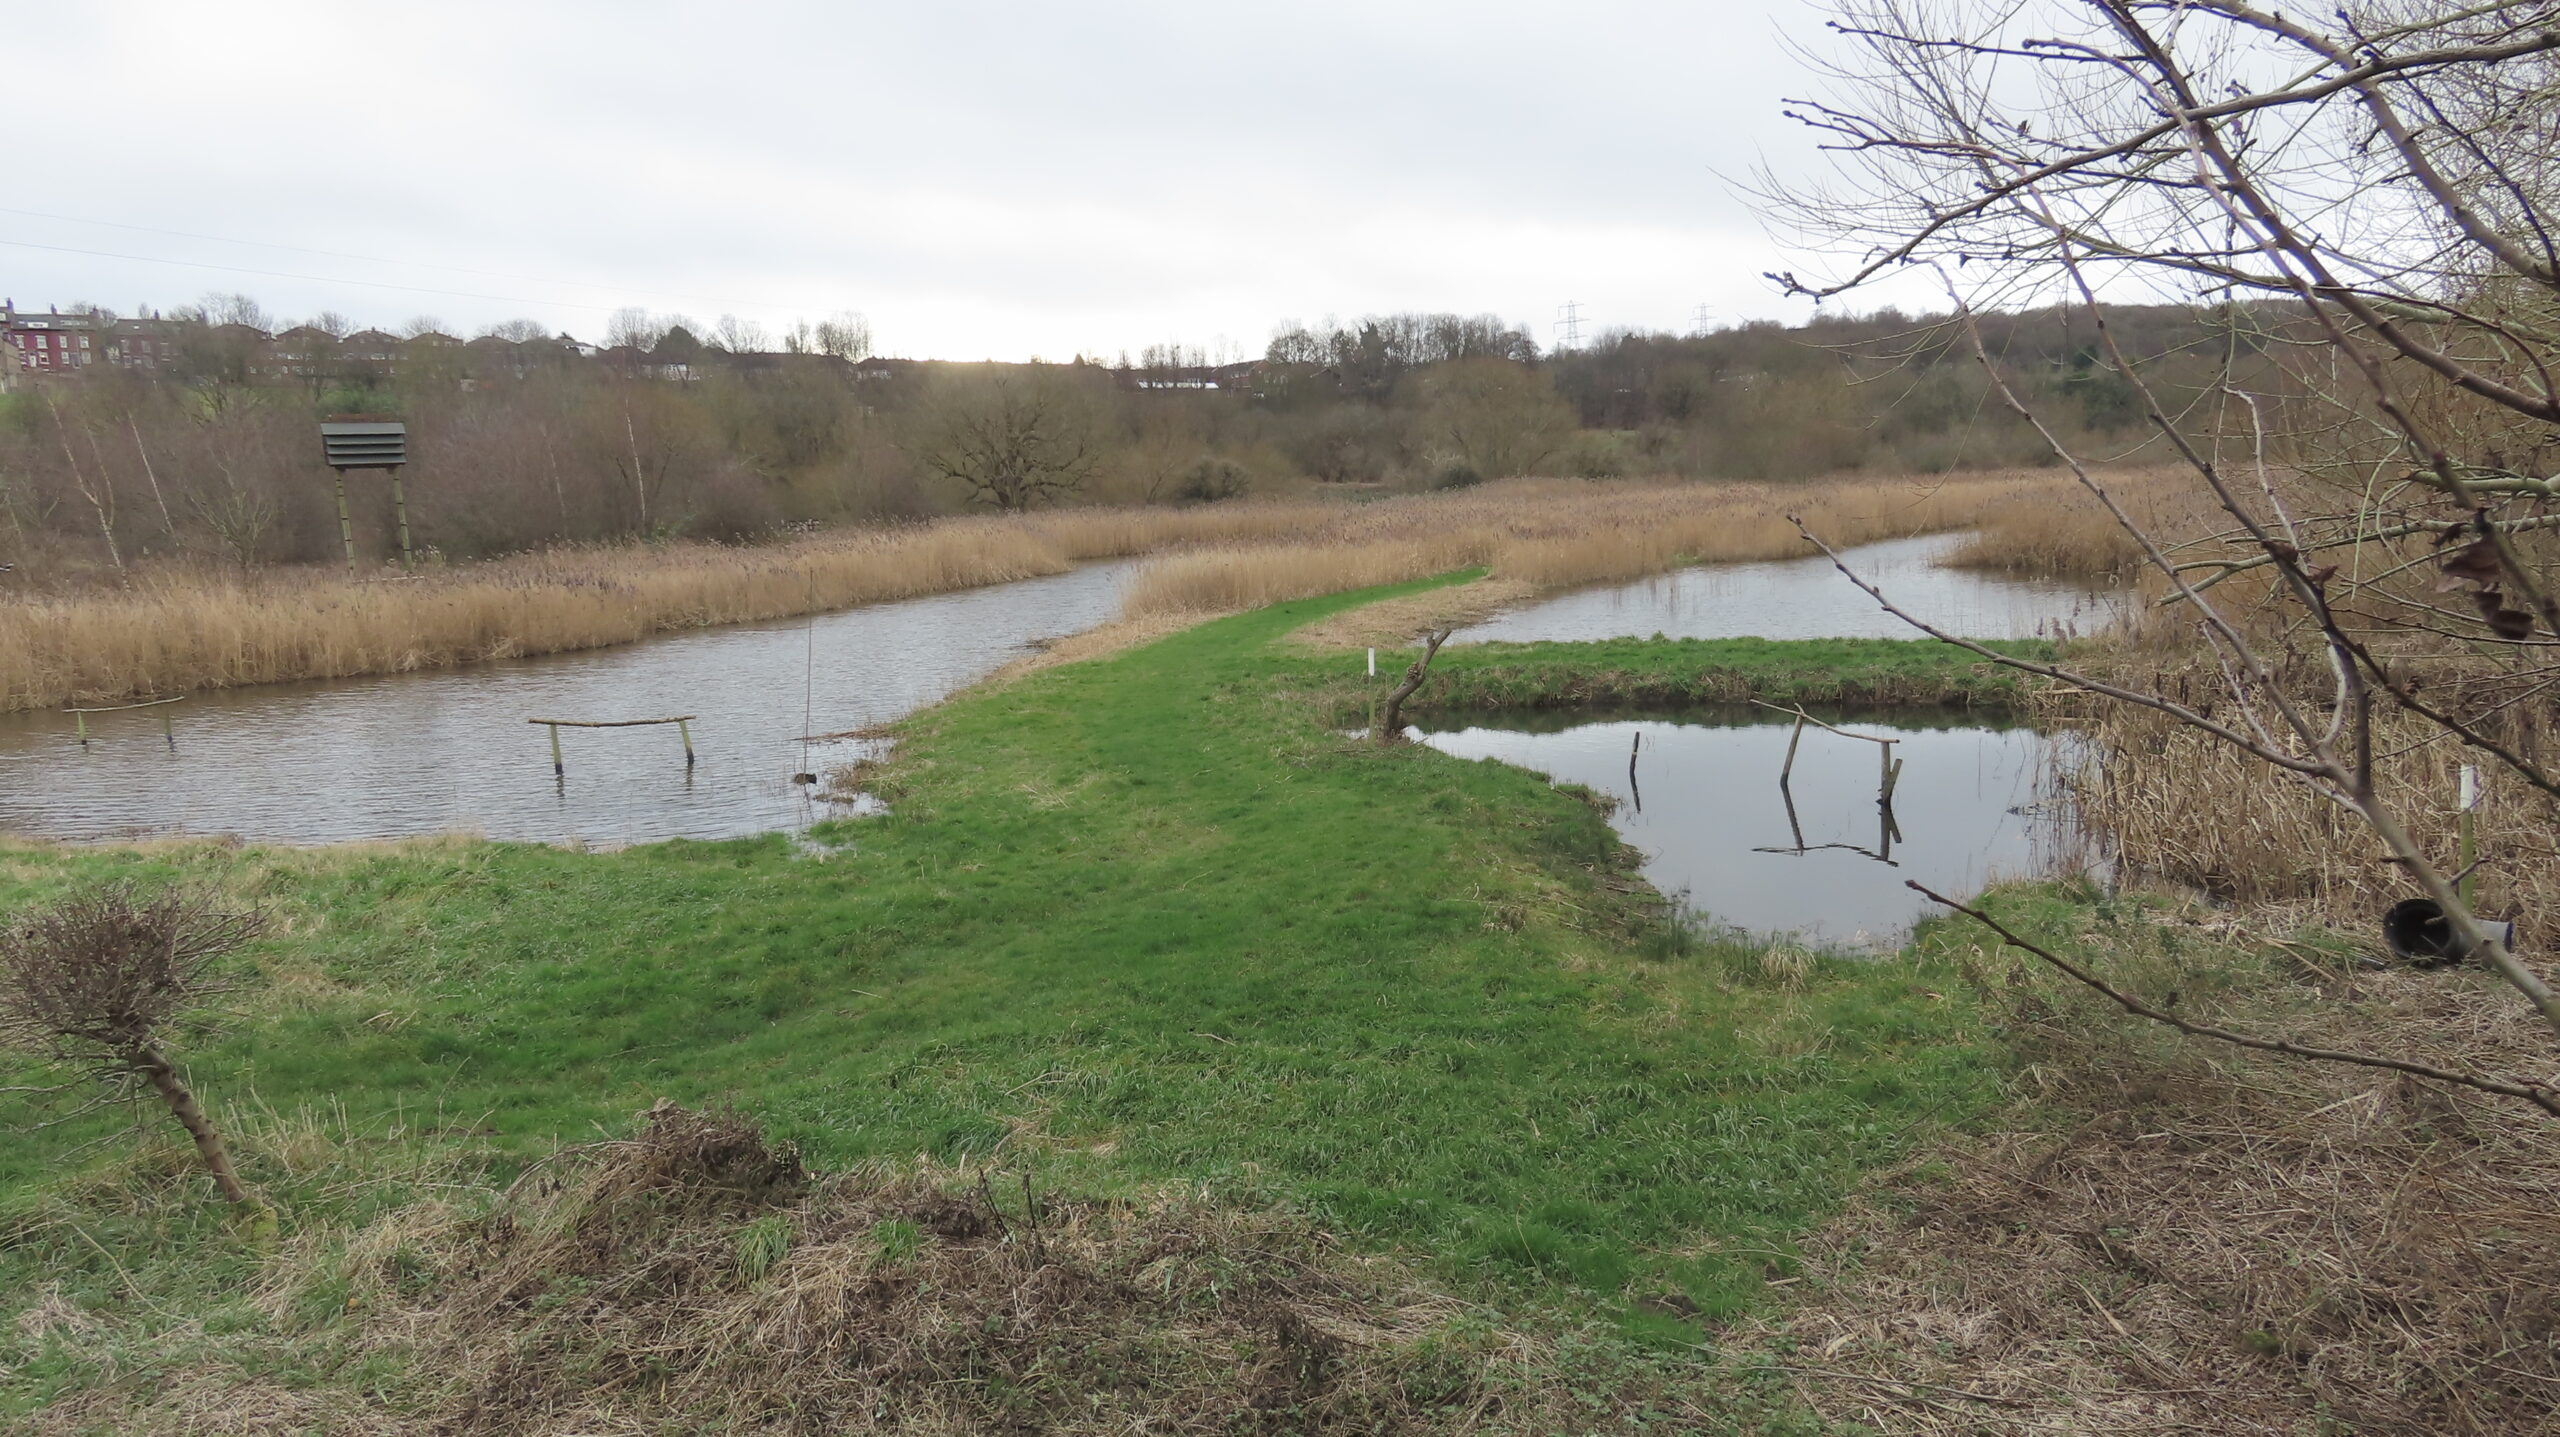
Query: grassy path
1138,921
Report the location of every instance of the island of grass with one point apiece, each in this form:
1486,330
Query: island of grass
1663,673
1144,930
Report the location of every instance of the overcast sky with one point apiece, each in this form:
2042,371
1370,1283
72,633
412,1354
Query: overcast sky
980,179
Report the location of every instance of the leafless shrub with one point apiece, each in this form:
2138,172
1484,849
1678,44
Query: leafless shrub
95,980
2354,196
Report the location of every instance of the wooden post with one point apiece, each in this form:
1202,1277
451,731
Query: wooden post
346,527
683,723
1635,741
400,506
1787,770
80,717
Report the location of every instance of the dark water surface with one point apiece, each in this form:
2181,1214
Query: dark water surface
1808,599
1967,804
414,754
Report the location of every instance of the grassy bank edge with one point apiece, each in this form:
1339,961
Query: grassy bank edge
359,909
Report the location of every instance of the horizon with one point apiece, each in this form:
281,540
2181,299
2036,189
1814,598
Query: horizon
981,182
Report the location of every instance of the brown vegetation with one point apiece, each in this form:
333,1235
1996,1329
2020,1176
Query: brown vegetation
2166,1237
182,628
189,628
696,1278
1552,533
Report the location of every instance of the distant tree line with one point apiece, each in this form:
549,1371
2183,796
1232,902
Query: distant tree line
521,439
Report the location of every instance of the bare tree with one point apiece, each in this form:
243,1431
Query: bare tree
1389,725
845,335
95,981
634,328
94,483
1012,443
740,336
2358,192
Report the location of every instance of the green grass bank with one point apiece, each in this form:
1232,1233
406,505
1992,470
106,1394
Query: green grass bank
1136,925
1669,672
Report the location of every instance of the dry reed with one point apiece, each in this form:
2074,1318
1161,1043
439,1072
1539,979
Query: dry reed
2180,806
1552,533
2187,1238
185,628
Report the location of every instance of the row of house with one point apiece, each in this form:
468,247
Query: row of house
53,342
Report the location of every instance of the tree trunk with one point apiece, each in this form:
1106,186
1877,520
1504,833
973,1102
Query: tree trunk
182,1106
167,523
1390,725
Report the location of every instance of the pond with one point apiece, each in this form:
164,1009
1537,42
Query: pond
1702,802
1807,599
412,754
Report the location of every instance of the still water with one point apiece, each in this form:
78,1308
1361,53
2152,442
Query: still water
1808,599
429,753
1704,807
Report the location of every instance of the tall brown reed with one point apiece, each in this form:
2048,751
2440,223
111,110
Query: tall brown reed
182,628
1552,533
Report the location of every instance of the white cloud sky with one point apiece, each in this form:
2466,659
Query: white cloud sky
981,179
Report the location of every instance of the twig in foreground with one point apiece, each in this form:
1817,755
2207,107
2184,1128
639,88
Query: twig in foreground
2540,1095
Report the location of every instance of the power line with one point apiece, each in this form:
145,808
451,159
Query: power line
317,278
326,253
1570,322
623,290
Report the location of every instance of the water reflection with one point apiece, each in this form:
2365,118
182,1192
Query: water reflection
428,753
1714,824
1808,599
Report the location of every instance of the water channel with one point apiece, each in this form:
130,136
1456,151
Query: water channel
1697,793
1807,599
450,750
410,754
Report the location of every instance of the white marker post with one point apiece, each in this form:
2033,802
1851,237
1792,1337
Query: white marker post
2470,822
1373,663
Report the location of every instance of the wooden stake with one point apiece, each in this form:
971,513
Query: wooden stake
346,526
400,506
684,733
558,769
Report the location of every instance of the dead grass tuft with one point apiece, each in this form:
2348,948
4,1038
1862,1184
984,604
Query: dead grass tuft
2185,1238
696,1278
